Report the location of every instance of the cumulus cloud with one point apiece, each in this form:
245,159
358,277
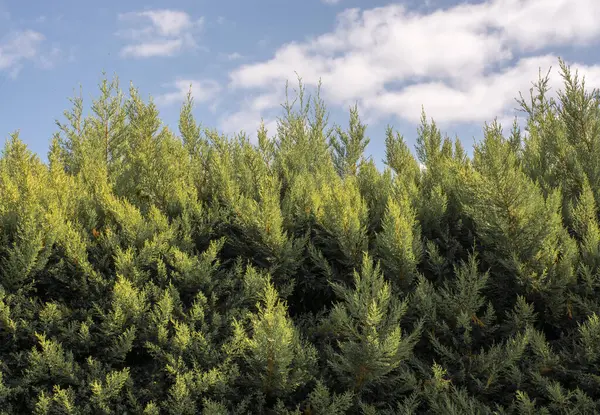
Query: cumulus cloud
153,33
463,64
202,91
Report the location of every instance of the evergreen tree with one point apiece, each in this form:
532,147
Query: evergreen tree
370,349
348,148
143,272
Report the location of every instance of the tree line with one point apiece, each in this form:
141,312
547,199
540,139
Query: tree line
148,272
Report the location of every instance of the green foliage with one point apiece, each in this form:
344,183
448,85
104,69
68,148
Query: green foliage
348,148
147,272
366,325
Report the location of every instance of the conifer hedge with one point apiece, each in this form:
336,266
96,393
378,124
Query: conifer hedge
143,272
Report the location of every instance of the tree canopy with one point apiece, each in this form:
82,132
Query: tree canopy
148,272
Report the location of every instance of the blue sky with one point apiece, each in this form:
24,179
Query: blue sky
464,62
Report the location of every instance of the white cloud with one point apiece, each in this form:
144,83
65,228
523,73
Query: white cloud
153,33
207,91
331,1
49,58
247,122
155,48
249,117
464,63
168,22
202,91
234,56
18,47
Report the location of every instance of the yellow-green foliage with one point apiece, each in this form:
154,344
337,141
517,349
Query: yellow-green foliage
145,271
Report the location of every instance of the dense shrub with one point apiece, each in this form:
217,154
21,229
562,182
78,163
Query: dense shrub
143,272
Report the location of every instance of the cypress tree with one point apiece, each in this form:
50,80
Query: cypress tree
144,271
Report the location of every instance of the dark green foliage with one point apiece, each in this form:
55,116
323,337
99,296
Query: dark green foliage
143,272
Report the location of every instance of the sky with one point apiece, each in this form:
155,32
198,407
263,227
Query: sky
464,63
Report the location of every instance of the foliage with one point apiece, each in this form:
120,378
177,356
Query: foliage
144,271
